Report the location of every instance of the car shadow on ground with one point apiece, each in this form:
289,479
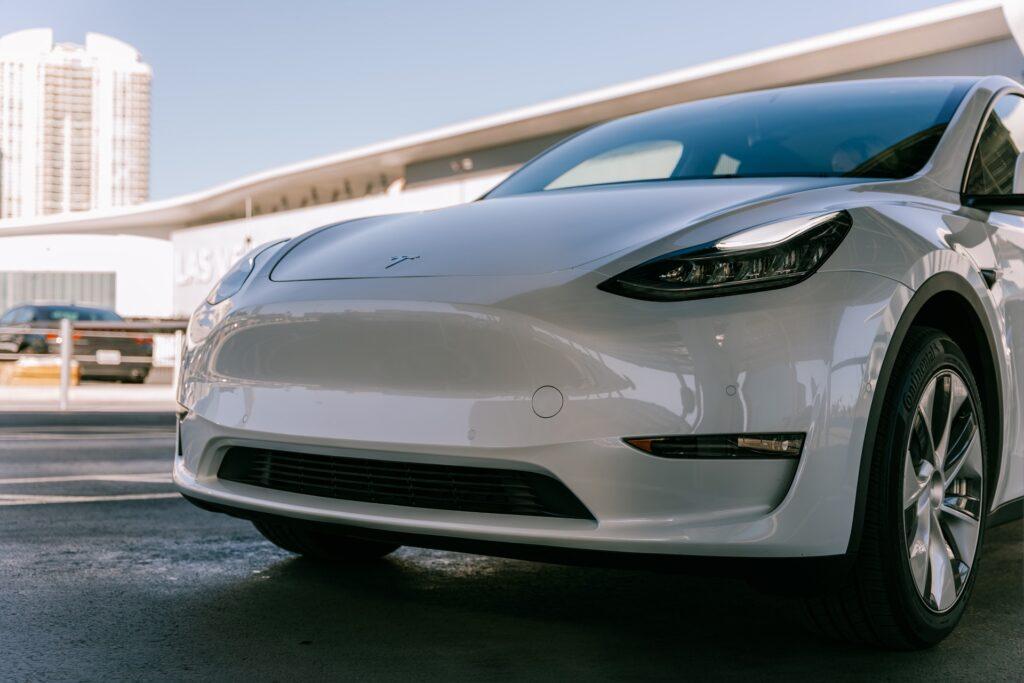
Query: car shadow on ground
433,614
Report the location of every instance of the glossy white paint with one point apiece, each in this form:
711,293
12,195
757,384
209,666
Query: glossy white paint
440,358
524,235
203,254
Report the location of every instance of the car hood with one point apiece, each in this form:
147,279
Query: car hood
521,235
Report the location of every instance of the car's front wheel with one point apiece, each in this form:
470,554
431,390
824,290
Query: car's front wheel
320,542
925,511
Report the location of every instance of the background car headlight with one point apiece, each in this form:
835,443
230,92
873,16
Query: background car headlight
766,257
236,276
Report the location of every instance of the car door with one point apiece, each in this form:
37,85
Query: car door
25,338
991,170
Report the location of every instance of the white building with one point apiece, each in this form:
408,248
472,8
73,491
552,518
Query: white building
74,125
162,257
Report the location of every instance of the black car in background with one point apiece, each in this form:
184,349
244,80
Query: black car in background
106,352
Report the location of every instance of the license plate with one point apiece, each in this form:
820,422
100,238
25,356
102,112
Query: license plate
108,357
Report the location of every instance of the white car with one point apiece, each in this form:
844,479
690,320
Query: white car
780,330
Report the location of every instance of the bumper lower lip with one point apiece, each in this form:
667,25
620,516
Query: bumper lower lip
638,503
445,529
804,571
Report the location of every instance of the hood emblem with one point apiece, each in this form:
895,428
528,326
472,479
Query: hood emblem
395,260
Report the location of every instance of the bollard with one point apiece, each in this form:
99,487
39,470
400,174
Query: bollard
179,339
65,361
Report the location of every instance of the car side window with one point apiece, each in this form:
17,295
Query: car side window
1001,142
8,317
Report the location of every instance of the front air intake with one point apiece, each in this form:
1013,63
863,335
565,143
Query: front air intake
410,484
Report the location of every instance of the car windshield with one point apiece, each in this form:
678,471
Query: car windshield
75,313
860,129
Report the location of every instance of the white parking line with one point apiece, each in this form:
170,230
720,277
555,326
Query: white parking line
21,499
146,478
91,436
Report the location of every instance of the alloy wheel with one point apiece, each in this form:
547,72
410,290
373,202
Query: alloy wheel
943,490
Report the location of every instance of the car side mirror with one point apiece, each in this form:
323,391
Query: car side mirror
994,202
997,202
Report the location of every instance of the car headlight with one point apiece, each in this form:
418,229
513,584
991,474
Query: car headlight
769,256
209,313
236,276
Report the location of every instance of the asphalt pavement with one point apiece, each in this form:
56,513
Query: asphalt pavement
105,574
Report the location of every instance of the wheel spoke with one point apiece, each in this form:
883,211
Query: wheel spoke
959,554
961,508
917,546
969,455
921,448
915,482
962,531
947,393
960,394
926,413
941,585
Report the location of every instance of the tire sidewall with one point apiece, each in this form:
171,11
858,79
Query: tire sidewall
937,352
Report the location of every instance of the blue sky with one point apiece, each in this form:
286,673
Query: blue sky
239,87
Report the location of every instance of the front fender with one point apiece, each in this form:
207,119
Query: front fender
995,358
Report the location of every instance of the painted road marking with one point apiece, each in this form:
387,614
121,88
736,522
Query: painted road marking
7,500
90,436
146,478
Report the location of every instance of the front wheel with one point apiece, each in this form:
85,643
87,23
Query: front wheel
319,542
925,510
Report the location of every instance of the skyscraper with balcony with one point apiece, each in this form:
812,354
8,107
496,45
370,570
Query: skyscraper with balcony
74,124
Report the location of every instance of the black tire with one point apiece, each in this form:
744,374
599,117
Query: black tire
319,542
877,602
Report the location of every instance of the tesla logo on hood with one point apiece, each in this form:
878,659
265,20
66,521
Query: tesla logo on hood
395,260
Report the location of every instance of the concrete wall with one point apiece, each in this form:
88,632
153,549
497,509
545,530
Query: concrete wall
85,288
998,58
141,265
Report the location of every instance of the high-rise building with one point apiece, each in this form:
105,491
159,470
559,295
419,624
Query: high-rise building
74,124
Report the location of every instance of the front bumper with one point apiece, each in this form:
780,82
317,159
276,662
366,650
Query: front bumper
802,359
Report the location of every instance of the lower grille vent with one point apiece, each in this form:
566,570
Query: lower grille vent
439,487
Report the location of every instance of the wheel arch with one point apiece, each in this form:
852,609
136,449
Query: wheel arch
948,303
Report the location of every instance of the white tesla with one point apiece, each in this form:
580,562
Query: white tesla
779,329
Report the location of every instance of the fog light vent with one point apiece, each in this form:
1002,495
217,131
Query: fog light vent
721,446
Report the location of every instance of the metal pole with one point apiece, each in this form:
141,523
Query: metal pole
65,361
178,340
